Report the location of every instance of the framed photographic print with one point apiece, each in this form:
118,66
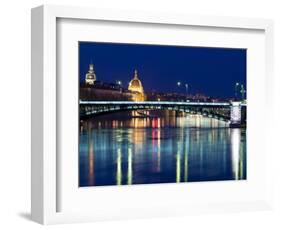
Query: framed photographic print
139,114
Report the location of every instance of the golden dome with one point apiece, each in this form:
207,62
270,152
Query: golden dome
135,84
136,87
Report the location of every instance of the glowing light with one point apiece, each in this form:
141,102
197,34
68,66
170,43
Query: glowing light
130,167
158,148
178,167
119,167
135,86
90,77
235,113
235,151
91,176
136,123
155,123
186,162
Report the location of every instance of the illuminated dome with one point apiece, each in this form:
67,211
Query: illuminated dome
136,87
135,84
90,75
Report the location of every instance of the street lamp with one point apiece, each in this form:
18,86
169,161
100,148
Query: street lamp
242,91
179,86
186,88
236,90
118,82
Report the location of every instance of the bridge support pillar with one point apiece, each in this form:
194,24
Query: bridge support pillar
235,114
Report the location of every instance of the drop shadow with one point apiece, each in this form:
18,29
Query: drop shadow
25,215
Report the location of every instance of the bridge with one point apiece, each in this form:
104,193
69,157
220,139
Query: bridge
226,111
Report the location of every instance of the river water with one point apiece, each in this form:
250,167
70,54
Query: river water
167,149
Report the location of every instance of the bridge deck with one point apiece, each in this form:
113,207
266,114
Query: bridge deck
157,103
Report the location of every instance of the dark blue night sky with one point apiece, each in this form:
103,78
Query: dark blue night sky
209,71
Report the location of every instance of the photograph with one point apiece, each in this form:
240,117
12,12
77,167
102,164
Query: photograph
157,113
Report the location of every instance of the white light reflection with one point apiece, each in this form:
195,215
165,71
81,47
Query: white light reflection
130,167
178,164
235,113
235,151
158,150
186,160
91,175
119,167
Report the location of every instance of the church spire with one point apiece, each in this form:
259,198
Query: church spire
91,67
136,74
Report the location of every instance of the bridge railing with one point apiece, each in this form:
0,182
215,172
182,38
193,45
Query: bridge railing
154,103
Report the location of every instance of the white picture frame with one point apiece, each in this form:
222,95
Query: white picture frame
45,91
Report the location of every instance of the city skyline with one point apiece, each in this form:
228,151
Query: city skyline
201,69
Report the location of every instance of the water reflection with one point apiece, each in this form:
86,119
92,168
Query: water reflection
91,160
119,167
130,167
160,150
178,167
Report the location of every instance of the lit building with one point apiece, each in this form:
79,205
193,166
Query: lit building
136,87
90,76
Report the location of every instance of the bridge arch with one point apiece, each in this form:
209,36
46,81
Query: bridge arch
90,111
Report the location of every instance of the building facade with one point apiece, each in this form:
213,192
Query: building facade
90,76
